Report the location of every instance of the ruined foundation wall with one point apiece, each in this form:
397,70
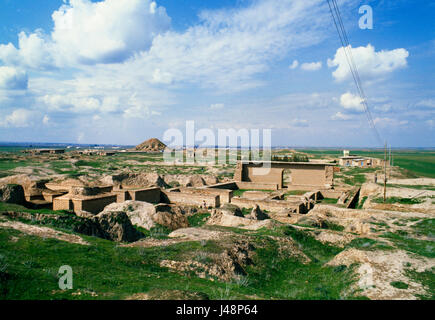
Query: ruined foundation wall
151,195
270,205
193,199
62,204
95,205
224,195
274,175
257,186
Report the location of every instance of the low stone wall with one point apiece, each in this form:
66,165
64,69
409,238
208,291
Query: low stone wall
256,195
49,195
62,203
256,185
332,194
313,195
92,204
225,185
193,199
271,205
225,195
151,195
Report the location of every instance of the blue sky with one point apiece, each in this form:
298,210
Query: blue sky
122,71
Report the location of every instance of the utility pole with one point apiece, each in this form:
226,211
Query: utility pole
389,162
385,173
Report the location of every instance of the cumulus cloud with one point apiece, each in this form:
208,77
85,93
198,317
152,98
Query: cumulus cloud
46,120
390,122
311,66
229,47
426,104
371,64
341,116
19,118
351,102
13,79
299,123
294,65
90,32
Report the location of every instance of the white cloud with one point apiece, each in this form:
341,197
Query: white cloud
46,120
90,32
390,122
351,102
311,66
386,107
229,47
370,63
217,106
427,103
341,116
294,65
19,118
299,123
161,77
12,78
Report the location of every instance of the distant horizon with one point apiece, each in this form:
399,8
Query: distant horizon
25,144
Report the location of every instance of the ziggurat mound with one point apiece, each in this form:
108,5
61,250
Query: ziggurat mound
151,145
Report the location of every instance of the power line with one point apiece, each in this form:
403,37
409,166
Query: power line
338,21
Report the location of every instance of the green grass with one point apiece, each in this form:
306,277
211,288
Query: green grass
295,193
405,242
29,265
418,187
392,200
198,220
368,244
328,201
361,203
19,208
427,279
399,285
425,227
240,192
246,211
355,180
414,162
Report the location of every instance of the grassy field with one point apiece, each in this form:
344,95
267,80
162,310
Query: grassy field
421,163
105,270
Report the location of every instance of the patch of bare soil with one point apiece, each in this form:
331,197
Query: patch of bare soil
338,239
157,294
378,269
414,182
225,266
43,232
181,235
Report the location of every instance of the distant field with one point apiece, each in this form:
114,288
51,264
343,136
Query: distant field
421,163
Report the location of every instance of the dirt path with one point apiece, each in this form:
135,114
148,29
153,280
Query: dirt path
43,232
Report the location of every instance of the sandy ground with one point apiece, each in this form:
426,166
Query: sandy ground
43,232
414,182
379,268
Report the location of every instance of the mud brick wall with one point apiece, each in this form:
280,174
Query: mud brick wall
224,194
62,203
257,186
271,205
193,199
93,205
151,195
